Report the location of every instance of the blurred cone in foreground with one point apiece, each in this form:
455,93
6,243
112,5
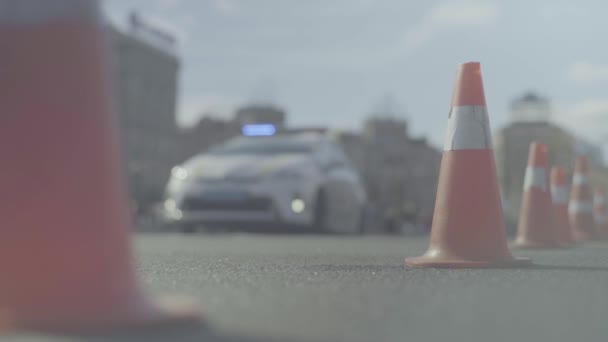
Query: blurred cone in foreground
600,212
65,258
580,208
468,225
559,193
537,227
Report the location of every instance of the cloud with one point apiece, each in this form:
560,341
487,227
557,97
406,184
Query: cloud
167,5
588,118
226,6
419,35
591,108
564,11
193,107
452,14
464,14
585,72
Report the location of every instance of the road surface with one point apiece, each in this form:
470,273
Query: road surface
332,288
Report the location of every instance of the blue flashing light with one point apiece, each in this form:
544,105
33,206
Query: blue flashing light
258,130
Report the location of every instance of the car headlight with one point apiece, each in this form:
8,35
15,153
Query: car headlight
298,205
180,173
170,204
172,211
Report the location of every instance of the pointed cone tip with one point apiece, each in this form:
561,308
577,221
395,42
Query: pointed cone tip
558,176
581,165
538,155
468,86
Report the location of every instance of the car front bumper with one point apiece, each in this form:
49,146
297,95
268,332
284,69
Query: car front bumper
283,203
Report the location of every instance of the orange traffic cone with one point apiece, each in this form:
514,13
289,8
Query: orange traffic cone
600,212
559,192
468,225
580,208
536,227
65,257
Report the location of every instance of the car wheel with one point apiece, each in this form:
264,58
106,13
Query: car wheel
362,222
188,228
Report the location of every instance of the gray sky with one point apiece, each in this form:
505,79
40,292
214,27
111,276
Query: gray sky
331,61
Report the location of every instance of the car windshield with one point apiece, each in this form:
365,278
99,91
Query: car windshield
264,146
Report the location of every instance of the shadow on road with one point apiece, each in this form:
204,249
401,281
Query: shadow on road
184,333
536,267
273,229
381,268
355,268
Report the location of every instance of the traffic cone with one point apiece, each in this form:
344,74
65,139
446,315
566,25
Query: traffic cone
468,225
65,256
580,208
537,227
600,212
559,193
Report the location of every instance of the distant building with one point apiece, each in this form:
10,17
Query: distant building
206,133
210,131
386,140
260,114
385,131
145,71
594,152
530,108
400,173
354,146
512,146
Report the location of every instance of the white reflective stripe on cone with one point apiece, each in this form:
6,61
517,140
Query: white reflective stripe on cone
580,179
559,194
16,12
536,177
468,129
576,207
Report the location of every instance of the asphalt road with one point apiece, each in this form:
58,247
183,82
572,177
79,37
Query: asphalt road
309,288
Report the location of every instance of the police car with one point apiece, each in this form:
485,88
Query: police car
291,178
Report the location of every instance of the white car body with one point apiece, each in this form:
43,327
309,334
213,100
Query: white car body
285,187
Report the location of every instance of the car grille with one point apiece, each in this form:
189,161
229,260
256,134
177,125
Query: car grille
250,204
232,179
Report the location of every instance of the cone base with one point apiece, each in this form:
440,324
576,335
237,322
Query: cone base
582,236
439,262
600,236
161,312
569,244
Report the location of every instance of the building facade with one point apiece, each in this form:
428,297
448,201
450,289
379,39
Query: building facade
210,131
260,114
145,69
512,145
400,172
530,108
